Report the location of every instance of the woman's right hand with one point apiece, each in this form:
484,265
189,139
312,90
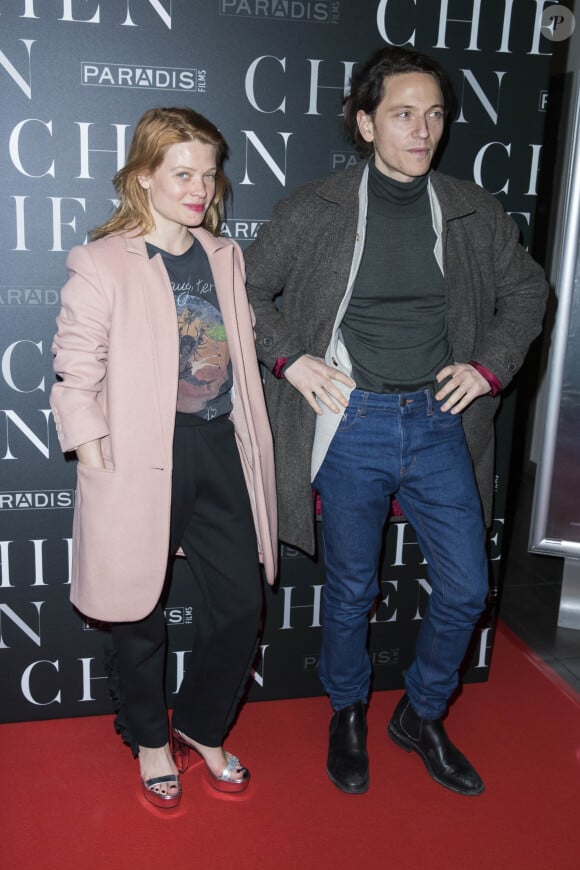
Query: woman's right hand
90,454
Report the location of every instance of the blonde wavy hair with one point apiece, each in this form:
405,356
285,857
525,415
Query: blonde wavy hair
155,132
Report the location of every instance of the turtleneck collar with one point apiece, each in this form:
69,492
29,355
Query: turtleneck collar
396,192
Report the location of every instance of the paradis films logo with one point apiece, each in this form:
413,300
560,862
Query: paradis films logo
116,75
314,11
36,499
240,229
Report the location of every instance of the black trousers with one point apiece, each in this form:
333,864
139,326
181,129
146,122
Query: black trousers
212,521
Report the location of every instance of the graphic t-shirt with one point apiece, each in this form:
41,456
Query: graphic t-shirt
205,369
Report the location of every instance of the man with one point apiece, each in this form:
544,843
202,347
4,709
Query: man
406,305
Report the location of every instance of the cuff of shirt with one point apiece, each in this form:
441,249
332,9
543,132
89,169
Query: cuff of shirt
494,383
283,362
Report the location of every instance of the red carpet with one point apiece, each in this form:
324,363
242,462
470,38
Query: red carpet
70,796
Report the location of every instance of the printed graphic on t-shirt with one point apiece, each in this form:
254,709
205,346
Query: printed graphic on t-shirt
205,368
203,348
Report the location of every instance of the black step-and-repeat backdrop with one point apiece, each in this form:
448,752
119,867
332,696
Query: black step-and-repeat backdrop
75,75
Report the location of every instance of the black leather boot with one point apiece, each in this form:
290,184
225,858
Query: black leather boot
428,738
348,761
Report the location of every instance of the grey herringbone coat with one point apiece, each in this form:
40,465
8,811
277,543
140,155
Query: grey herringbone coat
495,303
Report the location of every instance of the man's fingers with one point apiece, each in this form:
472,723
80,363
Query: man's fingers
311,399
317,383
337,375
464,384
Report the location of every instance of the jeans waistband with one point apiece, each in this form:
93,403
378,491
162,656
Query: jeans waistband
423,400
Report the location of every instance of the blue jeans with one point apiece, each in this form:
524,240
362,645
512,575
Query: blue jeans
401,445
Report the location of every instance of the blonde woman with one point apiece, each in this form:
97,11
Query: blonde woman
159,395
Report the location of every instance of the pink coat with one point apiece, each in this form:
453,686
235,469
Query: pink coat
117,354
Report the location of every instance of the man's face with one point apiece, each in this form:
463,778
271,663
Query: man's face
406,126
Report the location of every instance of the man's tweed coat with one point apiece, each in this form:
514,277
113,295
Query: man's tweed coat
495,303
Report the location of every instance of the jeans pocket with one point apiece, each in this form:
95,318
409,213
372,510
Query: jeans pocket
350,417
445,419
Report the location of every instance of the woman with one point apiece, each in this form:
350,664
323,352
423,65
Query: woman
157,366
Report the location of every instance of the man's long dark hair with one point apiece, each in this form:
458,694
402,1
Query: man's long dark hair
368,83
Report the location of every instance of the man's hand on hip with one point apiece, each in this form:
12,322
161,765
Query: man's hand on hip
464,385
316,381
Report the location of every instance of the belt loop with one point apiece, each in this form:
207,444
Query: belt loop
362,411
429,397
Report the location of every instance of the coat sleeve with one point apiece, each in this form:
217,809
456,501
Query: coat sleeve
250,418
269,262
520,299
80,349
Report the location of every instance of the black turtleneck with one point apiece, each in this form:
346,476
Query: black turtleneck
395,326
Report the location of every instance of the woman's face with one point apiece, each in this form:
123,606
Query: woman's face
182,187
